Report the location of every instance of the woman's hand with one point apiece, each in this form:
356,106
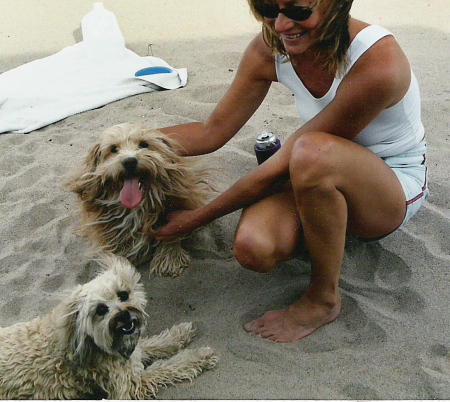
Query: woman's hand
179,223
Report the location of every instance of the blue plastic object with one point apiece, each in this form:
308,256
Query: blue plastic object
153,70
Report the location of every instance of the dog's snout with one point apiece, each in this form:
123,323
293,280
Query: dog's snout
126,323
123,317
130,164
126,329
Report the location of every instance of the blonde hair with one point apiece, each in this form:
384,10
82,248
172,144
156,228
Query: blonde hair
333,37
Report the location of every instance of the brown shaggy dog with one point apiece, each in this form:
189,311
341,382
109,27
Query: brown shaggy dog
90,344
130,179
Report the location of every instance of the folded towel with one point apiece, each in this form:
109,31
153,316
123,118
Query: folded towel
50,89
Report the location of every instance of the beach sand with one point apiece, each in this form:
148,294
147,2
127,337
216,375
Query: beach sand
392,340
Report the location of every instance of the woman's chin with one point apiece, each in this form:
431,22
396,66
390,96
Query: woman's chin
297,46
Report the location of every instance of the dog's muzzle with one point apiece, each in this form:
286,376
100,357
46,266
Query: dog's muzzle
126,329
131,194
125,324
130,165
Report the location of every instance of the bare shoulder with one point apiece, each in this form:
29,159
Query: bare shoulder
259,60
384,68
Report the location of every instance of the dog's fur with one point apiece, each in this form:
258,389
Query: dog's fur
167,180
90,343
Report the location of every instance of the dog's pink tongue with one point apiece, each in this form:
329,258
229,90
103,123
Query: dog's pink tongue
131,195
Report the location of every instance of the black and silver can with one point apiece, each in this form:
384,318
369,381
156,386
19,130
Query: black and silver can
266,145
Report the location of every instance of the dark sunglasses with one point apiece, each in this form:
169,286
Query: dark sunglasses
295,13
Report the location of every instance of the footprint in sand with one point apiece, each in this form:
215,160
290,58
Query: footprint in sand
374,282
434,235
436,372
379,279
354,391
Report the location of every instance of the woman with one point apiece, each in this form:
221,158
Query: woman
356,166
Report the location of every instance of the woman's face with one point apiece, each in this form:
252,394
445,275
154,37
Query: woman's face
297,36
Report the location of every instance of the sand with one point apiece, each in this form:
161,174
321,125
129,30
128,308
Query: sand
392,340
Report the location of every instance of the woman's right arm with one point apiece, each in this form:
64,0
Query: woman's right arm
246,93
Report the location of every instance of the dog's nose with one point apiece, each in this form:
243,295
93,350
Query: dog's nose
125,323
123,317
130,164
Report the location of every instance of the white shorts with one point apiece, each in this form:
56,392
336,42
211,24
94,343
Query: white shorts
411,169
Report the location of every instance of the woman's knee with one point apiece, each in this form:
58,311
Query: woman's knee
254,252
313,157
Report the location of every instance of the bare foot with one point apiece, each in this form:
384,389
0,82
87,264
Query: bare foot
295,322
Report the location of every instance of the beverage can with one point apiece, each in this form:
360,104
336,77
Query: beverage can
266,145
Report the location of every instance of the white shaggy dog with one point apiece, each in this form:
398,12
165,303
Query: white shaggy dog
129,180
90,344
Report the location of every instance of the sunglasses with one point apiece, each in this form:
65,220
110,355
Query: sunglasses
295,13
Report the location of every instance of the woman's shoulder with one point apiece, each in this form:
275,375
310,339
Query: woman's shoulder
355,27
380,49
370,35
384,61
259,58
259,48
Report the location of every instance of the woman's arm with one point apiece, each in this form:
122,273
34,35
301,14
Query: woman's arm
254,186
378,80
246,93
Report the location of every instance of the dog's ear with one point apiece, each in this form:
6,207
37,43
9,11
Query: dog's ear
78,346
166,141
85,351
66,316
81,180
93,158
173,152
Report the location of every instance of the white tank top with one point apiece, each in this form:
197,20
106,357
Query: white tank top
396,130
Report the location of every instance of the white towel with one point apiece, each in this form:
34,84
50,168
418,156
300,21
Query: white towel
50,89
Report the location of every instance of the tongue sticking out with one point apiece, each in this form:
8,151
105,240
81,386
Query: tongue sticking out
131,195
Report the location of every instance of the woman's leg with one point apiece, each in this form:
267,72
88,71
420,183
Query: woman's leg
268,233
338,186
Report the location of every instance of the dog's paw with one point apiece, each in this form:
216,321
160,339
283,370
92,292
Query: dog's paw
168,343
169,259
205,357
181,334
185,365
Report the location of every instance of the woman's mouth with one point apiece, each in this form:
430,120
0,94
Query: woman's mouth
293,36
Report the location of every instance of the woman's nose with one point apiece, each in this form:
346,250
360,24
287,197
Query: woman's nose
283,23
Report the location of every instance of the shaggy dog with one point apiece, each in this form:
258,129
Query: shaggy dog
90,344
130,179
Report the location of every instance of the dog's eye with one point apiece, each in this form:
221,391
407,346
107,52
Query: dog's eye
102,309
113,149
123,296
143,144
